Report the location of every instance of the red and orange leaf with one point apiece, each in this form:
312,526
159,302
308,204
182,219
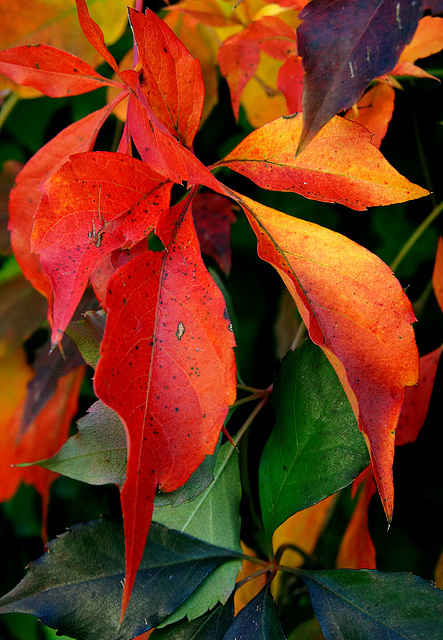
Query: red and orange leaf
54,72
417,399
96,203
161,151
94,34
357,550
290,83
25,196
209,12
374,111
239,56
340,165
437,275
167,368
169,77
427,40
357,312
213,217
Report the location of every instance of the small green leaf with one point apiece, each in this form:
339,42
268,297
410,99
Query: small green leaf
88,334
369,604
316,447
214,518
76,587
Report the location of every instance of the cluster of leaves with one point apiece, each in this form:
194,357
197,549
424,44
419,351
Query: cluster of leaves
113,240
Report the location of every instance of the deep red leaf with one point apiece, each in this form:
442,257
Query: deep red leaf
94,34
167,368
54,72
96,203
344,45
25,196
290,83
168,76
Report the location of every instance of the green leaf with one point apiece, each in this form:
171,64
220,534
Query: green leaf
211,626
214,518
258,620
76,587
316,447
369,604
88,334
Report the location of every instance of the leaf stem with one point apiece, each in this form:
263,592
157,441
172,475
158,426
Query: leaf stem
416,235
250,418
8,106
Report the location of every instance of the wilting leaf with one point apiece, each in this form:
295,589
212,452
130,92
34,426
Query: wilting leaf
214,518
370,604
76,587
54,72
314,422
211,626
340,165
168,370
96,203
345,45
258,620
357,312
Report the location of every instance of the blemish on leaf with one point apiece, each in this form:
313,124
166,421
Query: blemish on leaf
180,330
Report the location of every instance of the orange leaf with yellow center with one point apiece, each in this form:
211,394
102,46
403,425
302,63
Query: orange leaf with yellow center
357,312
339,165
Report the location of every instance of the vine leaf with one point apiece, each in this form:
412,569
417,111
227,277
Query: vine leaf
344,45
96,203
76,586
340,165
357,312
167,369
257,620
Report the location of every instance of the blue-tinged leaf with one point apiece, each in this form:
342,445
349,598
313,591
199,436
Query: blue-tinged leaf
316,447
344,45
369,604
76,587
258,620
211,626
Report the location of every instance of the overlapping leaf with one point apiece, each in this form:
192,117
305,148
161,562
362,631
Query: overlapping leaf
345,45
340,165
167,368
96,203
357,312
76,587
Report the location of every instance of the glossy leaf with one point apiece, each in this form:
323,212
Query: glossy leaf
54,72
96,203
167,367
357,312
316,447
370,604
211,626
169,77
76,587
345,45
214,518
257,620
340,165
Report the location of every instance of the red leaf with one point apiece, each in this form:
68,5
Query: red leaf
357,312
169,77
96,203
213,217
239,56
25,196
54,72
344,45
167,369
164,153
290,83
417,399
340,165
437,275
94,34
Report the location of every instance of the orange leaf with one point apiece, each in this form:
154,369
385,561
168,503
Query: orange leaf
339,165
357,550
417,399
249,589
167,368
357,312
374,111
427,40
437,276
